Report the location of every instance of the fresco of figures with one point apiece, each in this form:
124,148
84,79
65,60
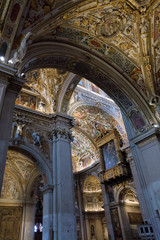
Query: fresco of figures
84,152
95,121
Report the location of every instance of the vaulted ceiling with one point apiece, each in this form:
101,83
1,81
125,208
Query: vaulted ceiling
123,33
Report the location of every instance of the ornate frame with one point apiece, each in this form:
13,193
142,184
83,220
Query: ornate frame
111,135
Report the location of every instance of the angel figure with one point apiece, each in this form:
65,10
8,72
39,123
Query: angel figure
18,132
21,51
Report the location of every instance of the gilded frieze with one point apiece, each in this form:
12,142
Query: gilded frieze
92,184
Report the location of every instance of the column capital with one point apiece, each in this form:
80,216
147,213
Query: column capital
47,188
62,125
62,133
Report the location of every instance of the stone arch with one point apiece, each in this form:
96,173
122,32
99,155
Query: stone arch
81,61
122,189
32,186
37,159
128,193
65,94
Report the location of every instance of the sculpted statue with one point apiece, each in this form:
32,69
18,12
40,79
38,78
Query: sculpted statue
18,132
36,138
155,101
21,51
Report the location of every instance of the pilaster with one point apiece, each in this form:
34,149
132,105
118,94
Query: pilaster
146,152
28,221
64,222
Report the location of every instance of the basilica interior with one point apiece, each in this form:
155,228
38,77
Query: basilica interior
79,119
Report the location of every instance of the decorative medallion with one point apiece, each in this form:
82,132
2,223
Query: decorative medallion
111,26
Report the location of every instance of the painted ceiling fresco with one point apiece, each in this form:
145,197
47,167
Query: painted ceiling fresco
91,122
120,30
124,33
84,152
95,121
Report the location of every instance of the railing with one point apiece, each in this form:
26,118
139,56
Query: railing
146,232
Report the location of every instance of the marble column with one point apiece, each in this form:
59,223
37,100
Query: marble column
10,86
28,221
64,222
146,153
107,213
47,212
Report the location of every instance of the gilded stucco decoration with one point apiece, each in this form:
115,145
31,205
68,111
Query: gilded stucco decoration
19,170
11,188
92,194
47,84
113,52
109,30
93,202
92,184
128,196
10,222
125,32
